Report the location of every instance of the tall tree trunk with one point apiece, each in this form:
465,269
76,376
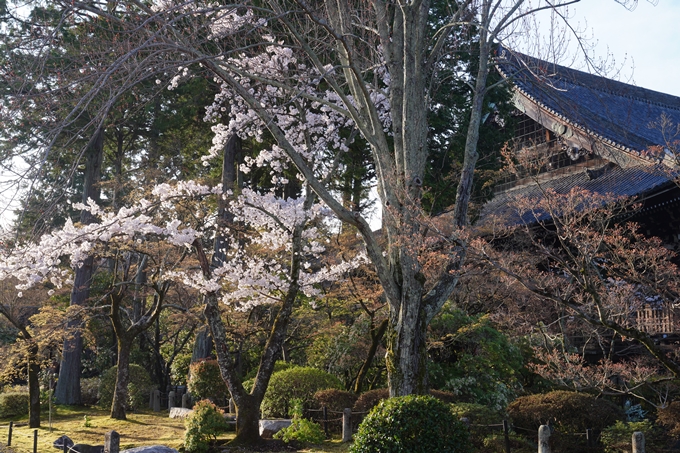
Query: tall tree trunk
33,387
120,395
68,384
406,357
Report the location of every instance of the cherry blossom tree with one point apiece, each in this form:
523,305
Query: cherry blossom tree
306,73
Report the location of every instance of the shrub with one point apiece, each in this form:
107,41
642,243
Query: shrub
139,387
617,438
179,370
444,396
368,400
14,404
205,381
669,417
89,391
203,426
334,399
299,382
566,411
301,429
411,424
476,415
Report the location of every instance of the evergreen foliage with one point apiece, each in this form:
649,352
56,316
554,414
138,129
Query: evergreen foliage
411,424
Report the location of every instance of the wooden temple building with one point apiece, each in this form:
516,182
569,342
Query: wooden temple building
604,136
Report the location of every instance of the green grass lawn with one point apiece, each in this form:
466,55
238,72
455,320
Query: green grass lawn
143,428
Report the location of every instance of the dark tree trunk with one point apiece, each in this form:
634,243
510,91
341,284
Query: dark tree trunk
247,405
120,395
68,385
248,421
33,387
376,336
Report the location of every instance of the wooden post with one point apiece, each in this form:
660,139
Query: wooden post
9,436
543,436
347,425
111,442
638,442
506,433
324,410
35,441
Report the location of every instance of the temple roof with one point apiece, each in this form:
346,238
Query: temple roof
611,119
613,111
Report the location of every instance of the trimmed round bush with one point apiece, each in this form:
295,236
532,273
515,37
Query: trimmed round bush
569,412
300,383
205,381
14,404
411,424
139,386
368,400
334,399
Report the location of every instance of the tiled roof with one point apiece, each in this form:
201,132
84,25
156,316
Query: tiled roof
632,181
614,112
611,110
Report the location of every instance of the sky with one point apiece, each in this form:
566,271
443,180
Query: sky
644,42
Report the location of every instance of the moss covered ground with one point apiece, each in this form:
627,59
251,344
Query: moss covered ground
143,428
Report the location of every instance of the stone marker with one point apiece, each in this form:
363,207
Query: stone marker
85,448
185,401
347,425
59,443
180,412
111,442
150,449
232,408
543,436
638,442
156,400
171,400
269,427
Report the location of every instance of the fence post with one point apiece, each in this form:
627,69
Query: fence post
543,436
638,442
506,433
111,442
9,436
35,441
324,410
347,425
